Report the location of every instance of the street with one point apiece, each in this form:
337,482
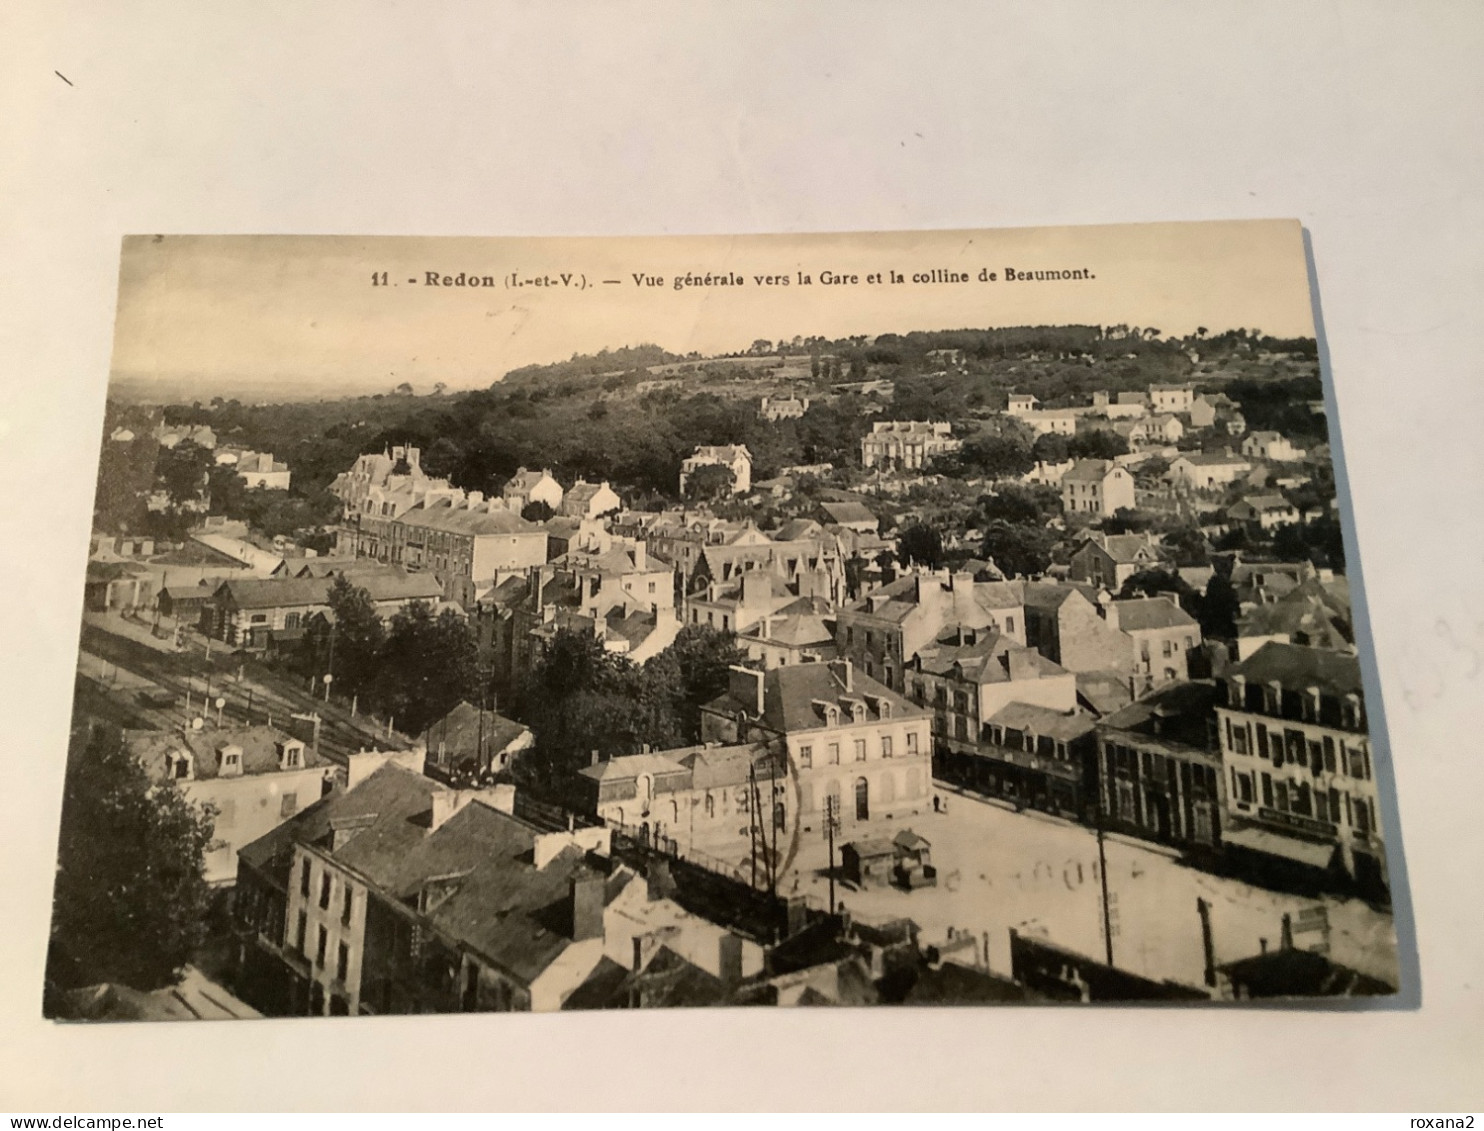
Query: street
998,869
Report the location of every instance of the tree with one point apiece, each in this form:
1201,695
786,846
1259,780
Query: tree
1019,551
702,657
1100,443
1157,582
1049,448
921,544
182,472
130,901
1014,503
353,647
1219,609
537,510
998,457
711,481
426,666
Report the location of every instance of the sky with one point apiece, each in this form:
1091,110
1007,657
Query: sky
300,317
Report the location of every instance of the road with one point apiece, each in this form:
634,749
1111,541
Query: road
998,869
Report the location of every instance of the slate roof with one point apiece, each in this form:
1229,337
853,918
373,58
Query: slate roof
1143,614
847,512
460,731
1103,691
259,748
388,800
791,692
987,660
719,767
1088,471
1126,549
1301,973
461,520
1297,667
1027,717
1176,713
630,766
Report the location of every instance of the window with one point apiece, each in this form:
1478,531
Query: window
1267,790
710,806
1168,650
342,961
1243,786
1280,796
1189,643
1010,625
291,758
1262,741
960,727
860,749
324,891
350,897
834,758
911,742
886,746
304,879
320,946
260,618
301,930
1239,740
1329,754
806,757
289,805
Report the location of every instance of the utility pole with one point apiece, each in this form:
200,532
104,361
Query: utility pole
774,822
1103,877
831,816
752,821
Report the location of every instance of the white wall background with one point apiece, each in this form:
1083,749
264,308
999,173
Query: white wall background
1362,119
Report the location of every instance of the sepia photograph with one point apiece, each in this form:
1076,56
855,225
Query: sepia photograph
940,618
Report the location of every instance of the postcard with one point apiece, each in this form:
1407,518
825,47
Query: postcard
925,618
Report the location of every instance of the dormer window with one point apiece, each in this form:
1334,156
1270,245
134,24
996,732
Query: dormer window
1352,710
290,755
1237,691
1272,698
1311,704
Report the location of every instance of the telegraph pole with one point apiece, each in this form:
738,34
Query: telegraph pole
752,820
1103,877
831,815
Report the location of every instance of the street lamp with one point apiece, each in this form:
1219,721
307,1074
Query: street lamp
329,679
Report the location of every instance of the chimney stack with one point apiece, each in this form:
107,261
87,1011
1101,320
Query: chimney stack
845,672
587,906
747,684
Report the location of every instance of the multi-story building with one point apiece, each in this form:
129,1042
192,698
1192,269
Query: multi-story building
1171,398
970,674
1206,471
734,457
1108,560
256,612
380,488
255,777
884,630
783,408
720,802
1265,512
1301,787
1029,755
469,547
850,741
1164,637
1160,775
403,896
908,444
1272,446
1064,623
1097,487
527,487
590,500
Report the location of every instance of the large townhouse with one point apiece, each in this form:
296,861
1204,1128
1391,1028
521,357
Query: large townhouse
1097,488
883,631
1301,788
470,547
851,743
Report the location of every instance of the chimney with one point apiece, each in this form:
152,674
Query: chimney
476,498
746,684
1022,664
1109,609
641,555
595,760
587,906
844,672
446,802
729,959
